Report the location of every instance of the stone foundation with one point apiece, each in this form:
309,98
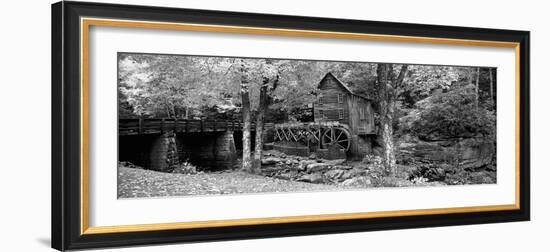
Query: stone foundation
292,148
331,153
164,153
213,150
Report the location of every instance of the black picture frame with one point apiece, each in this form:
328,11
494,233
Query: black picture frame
66,125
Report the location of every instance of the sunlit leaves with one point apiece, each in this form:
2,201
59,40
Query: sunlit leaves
452,115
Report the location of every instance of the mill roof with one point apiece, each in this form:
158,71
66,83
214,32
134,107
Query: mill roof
342,84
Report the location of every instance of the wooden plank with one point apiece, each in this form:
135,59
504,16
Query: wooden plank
156,125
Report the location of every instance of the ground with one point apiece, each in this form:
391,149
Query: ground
287,173
136,182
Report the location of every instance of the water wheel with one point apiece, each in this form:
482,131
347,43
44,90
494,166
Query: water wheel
338,136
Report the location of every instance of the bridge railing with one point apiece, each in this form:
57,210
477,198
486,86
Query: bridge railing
136,126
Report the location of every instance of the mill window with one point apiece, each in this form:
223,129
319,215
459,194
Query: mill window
340,98
340,113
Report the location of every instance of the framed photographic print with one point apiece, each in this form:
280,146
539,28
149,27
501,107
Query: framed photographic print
181,125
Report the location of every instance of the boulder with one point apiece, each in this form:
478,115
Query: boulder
355,172
270,161
289,175
334,174
357,181
302,165
342,167
476,153
335,162
317,167
316,178
471,153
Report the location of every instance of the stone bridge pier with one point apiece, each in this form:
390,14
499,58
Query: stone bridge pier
164,152
215,150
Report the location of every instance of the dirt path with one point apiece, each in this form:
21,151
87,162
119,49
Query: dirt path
146,183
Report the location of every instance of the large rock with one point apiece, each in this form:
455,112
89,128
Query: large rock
288,175
270,161
335,162
334,174
342,167
471,153
312,178
357,181
317,167
476,153
355,172
302,166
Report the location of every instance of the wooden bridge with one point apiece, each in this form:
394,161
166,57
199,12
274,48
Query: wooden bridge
160,125
160,143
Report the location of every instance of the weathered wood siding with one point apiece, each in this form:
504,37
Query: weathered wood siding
361,124
335,103
328,106
363,115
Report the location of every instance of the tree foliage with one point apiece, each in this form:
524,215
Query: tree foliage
453,115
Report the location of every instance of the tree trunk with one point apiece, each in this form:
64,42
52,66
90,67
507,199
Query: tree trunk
386,105
174,113
245,97
262,107
493,102
387,85
247,165
476,101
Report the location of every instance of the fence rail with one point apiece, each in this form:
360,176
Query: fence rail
160,125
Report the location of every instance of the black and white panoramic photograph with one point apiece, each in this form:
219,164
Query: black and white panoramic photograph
210,125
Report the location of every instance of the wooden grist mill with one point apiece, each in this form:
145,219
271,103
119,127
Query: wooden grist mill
343,125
